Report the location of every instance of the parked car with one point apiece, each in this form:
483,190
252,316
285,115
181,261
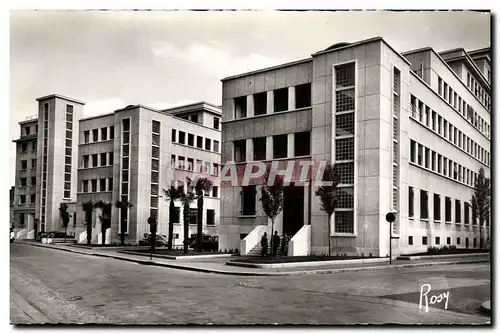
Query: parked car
161,240
208,242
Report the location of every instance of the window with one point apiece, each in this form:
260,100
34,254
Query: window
216,123
433,166
424,203
24,147
33,181
110,162
438,240
94,160
180,163
302,143
466,213
86,136
260,103
194,118
193,216
259,148
447,214
190,139
24,182
280,146
176,216
33,163
458,211
112,132
33,146
248,199
94,185
240,107
104,133
344,149
215,191
24,164
22,199
103,159
85,186
345,197
412,150
344,222
210,217
208,143
216,146
448,240
32,198
182,137
303,96
346,172
190,164
95,135
420,155
437,207
344,124
410,240
199,142
174,135
427,157
102,184
281,99
410,202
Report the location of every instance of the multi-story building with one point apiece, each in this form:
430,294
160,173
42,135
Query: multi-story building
132,154
408,133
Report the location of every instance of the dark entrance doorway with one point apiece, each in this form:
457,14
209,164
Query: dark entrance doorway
293,209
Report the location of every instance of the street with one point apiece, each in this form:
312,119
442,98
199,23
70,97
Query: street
51,286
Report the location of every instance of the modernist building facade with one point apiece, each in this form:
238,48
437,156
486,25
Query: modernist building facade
132,154
408,132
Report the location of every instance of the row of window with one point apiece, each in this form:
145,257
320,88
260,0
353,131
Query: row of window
427,158
437,241
26,130
456,102
24,147
194,118
45,162
24,164
181,186
68,151
125,172
281,101
395,143
107,133
155,167
477,90
302,147
199,141
97,185
436,202
204,167
438,124
22,199
24,181
98,160
193,216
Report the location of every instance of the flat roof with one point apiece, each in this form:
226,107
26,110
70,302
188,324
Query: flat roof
194,107
60,97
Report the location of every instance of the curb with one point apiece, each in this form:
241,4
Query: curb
303,264
181,257
246,273
423,257
486,307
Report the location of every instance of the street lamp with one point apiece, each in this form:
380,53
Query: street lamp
390,217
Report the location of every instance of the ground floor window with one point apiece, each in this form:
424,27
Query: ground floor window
424,240
410,240
344,222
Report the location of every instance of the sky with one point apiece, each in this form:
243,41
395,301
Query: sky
110,59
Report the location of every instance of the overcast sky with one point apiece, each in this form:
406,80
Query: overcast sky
110,59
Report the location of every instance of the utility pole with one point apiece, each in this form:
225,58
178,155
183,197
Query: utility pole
390,217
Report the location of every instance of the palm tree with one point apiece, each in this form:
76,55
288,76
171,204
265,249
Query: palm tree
327,194
186,199
480,202
202,184
105,217
272,198
172,194
123,206
88,207
65,216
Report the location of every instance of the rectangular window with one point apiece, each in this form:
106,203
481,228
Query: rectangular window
344,222
344,124
33,181
248,200
32,198
240,107
210,217
410,240
458,211
420,155
440,86
412,150
104,133
437,207
281,99
346,172
102,184
103,159
344,149
215,191
94,185
216,123
260,103
190,139
86,136
174,135
438,240
447,214
303,96
410,202
259,148
95,135
33,146
424,241
240,150
24,164
193,216
110,184
199,142
280,146
216,146
208,143
182,137
22,199
424,205
24,182
302,143
427,157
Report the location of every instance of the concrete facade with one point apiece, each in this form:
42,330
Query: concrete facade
99,165
374,121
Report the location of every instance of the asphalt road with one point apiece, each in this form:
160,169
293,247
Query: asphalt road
51,286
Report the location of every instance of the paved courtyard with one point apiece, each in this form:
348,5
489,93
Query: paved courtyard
51,286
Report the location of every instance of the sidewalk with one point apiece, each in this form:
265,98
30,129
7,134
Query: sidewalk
218,266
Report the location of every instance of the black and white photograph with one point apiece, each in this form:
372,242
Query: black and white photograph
249,167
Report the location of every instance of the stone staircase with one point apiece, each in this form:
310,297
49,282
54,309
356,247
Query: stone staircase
256,251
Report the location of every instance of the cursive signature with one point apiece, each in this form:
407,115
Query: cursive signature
434,299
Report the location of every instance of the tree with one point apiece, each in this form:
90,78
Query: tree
272,198
65,216
105,217
172,194
88,208
202,184
327,194
186,199
153,223
480,202
123,206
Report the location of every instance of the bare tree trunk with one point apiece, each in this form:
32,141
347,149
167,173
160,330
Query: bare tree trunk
171,224
272,234
328,235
